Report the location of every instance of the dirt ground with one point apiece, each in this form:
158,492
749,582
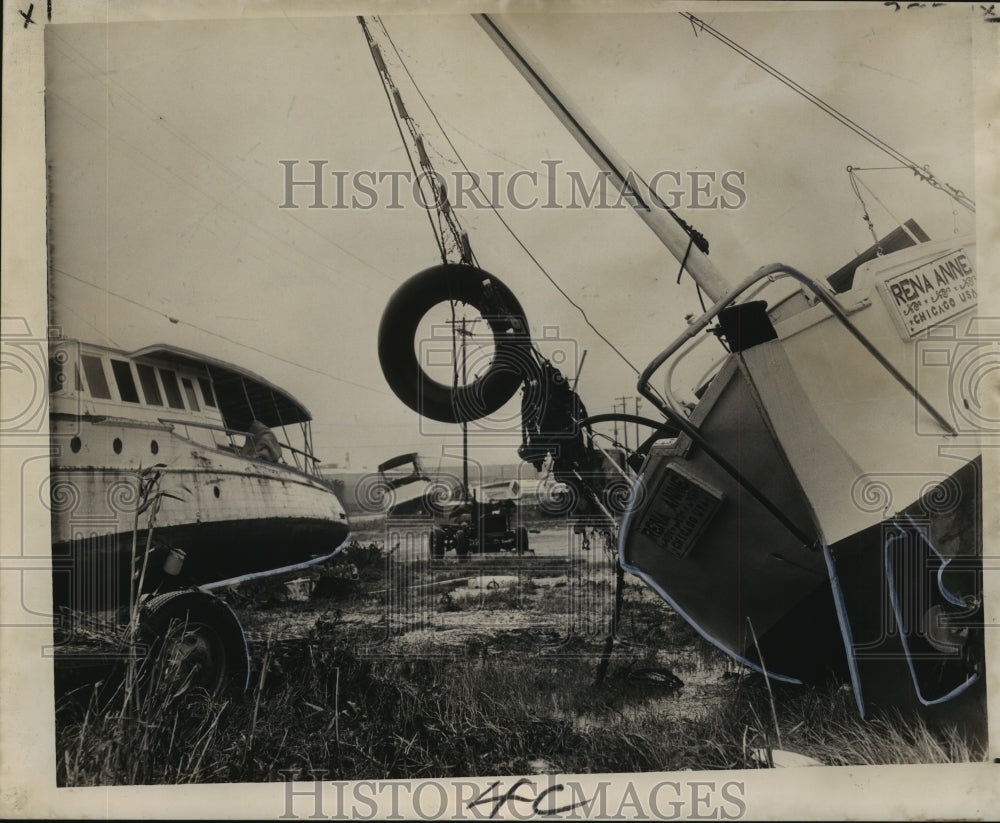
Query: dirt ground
555,604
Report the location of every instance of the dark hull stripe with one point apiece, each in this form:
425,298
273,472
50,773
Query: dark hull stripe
95,573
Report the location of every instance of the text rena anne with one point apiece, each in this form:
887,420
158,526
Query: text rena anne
910,288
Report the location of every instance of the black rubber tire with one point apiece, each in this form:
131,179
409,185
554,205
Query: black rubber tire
202,631
521,539
512,360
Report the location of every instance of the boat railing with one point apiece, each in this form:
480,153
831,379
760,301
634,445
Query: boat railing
304,461
716,364
677,414
671,407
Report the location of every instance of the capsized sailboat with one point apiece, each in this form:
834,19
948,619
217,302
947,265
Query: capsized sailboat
818,509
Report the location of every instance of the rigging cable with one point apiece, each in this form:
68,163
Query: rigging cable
864,209
448,222
852,171
383,74
559,288
506,225
922,172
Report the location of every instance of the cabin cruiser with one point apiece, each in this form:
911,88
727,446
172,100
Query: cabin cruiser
172,470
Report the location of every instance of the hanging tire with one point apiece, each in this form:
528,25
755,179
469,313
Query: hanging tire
195,640
512,360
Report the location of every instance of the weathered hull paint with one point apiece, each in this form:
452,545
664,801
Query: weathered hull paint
127,474
868,562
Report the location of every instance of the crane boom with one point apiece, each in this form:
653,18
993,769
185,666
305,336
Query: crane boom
664,223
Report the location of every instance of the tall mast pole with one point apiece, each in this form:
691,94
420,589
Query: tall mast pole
465,424
661,219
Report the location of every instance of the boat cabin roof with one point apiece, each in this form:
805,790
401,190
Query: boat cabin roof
243,396
229,394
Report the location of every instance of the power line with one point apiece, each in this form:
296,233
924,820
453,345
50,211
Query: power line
94,70
84,320
178,321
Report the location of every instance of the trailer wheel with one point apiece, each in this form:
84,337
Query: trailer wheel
512,360
196,640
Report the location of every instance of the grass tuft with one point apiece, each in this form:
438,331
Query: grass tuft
497,701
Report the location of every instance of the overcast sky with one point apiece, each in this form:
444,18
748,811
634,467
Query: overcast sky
164,142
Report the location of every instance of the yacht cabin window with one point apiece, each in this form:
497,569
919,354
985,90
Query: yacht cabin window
97,382
192,398
174,399
150,388
206,391
126,383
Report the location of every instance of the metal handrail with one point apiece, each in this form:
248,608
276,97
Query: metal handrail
774,272
679,418
668,380
177,422
231,433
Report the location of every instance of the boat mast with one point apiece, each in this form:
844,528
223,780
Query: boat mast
664,223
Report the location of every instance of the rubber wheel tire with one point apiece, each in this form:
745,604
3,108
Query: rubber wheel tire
512,360
202,635
521,539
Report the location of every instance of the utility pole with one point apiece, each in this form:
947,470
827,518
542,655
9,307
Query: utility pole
624,402
637,439
460,328
465,423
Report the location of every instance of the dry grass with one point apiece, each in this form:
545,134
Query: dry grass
318,705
